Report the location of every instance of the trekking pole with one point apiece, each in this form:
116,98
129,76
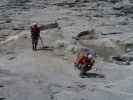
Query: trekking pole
41,41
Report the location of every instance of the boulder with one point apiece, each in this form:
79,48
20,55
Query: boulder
60,44
103,47
124,9
88,34
128,44
49,26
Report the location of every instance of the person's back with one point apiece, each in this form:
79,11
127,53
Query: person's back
35,30
35,34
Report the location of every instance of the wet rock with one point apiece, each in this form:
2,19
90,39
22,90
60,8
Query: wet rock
61,43
18,28
77,0
108,86
98,15
72,48
49,26
5,33
128,44
5,21
125,60
103,47
8,21
87,35
2,98
11,58
124,9
84,1
112,33
1,86
70,3
114,1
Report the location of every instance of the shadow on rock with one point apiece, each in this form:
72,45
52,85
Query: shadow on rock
92,75
2,98
46,48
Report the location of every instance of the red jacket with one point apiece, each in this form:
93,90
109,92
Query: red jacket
35,30
84,60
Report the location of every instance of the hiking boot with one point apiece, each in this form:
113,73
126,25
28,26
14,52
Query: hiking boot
82,75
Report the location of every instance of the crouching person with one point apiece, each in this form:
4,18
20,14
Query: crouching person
84,62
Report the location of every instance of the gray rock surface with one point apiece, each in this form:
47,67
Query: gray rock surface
50,75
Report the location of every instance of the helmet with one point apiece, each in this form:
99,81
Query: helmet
34,24
90,56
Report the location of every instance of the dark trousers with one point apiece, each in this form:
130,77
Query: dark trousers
34,42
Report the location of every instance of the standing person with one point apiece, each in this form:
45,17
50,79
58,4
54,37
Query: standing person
35,34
